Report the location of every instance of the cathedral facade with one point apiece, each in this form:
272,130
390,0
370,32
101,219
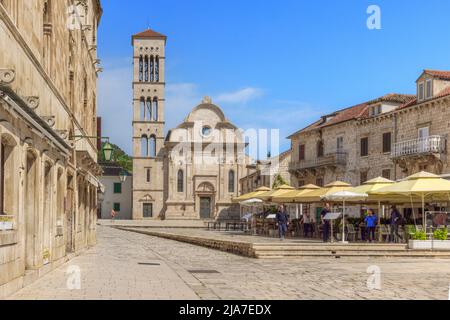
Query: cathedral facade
191,173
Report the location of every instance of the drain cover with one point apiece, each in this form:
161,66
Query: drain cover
148,264
204,271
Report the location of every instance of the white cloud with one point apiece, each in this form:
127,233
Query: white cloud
241,96
181,98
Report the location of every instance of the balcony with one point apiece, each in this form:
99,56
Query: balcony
329,160
425,146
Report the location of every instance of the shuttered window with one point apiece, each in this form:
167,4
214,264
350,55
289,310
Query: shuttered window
387,142
364,147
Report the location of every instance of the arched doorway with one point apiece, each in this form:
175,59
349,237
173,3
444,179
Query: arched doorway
205,200
31,211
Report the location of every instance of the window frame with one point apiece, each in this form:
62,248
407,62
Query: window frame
180,181
384,140
385,176
147,205
231,181
117,205
301,152
428,94
421,91
366,149
117,188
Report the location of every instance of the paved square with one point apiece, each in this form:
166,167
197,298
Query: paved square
127,265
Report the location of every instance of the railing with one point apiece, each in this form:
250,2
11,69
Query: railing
432,145
332,159
7,223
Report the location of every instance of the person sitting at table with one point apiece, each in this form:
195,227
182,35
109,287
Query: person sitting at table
371,223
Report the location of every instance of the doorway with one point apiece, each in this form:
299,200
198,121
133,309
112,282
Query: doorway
205,208
69,214
31,212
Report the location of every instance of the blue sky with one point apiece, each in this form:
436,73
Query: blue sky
270,64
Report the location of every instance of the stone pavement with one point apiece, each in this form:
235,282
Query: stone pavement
112,271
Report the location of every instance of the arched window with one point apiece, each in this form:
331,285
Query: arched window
157,69
142,108
148,111
155,109
146,68
144,146
152,147
180,181
141,69
152,69
231,181
7,176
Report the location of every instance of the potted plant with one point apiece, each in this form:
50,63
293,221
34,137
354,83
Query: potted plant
6,223
419,241
46,256
440,239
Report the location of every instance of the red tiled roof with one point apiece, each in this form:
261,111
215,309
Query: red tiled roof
445,75
149,34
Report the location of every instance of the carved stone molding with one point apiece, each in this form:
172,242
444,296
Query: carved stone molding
7,76
63,134
33,102
50,120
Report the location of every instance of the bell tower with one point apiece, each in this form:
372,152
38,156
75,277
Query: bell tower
148,124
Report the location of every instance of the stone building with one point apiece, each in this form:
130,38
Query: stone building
263,172
118,193
48,184
193,172
392,136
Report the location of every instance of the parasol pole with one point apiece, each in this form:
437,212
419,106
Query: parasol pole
423,213
343,224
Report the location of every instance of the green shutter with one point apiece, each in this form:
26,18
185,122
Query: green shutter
117,207
117,188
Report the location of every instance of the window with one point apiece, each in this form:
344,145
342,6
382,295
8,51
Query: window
147,210
152,147
231,181
148,110
180,181
152,68
142,109
146,68
340,144
319,149
2,178
363,177
116,207
144,146
429,91
117,188
387,142
7,172
301,152
148,175
157,69
386,174
364,147
141,69
301,183
155,109
319,182
421,92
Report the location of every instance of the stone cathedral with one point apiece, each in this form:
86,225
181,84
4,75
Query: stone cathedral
191,173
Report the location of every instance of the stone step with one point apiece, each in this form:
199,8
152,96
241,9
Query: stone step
438,255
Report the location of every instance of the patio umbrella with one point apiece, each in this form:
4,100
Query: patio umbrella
316,195
251,202
423,184
290,197
252,195
344,196
267,196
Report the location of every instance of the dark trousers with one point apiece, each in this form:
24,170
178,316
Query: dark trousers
370,233
307,229
326,231
282,229
394,233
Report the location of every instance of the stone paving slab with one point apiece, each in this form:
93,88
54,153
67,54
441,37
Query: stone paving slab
111,271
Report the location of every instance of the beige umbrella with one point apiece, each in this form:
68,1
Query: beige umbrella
267,196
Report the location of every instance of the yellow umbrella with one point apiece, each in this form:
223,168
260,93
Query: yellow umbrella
317,195
423,184
290,197
267,196
252,195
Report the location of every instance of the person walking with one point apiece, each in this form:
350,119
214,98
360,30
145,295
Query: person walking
282,219
395,221
371,223
325,223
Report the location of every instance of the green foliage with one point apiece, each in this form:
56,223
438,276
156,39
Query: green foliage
120,157
278,182
419,235
440,234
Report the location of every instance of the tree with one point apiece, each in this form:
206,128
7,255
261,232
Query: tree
278,181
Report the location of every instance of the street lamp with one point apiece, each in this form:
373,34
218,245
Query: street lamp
123,176
107,151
